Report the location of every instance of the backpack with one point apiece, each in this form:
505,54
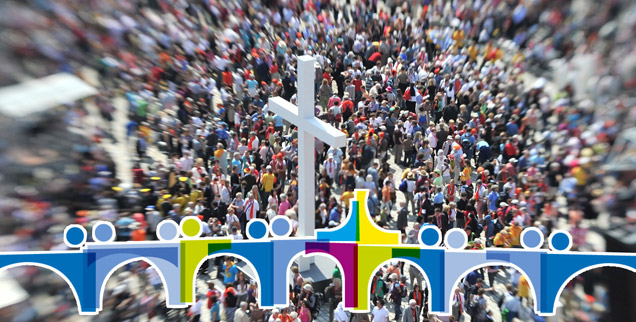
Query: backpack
480,229
498,226
403,186
466,145
396,295
469,190
403,292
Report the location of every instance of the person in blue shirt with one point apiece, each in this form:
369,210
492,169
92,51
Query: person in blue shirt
524,160
335,213
512,128
492,198
438,200
278,123
230,270
174,213
222,133
215,309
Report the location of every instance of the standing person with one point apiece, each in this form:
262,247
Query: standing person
229,302
309,297
230,271
524,289
418,296
195,309
380,313
402,219
378,287
511,306
215,310
397,291
412,312
305,313
457,304
333,294
251,212
479,306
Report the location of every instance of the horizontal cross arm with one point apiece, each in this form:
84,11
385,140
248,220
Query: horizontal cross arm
317,128
324,132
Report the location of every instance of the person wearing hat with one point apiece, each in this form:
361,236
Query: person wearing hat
153,218
412,312
397,291
309,299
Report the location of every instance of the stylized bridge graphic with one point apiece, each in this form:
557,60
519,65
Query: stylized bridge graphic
359,247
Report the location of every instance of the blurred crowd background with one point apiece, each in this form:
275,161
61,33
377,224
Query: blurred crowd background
487,115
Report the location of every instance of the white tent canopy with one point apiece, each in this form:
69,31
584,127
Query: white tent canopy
38,95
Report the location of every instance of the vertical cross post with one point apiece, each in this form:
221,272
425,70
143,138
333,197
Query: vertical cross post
309,128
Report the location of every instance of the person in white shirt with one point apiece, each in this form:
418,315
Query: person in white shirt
331,166
251,207
195,310
271,212
458,306
236,235
186,162
380,313
225,194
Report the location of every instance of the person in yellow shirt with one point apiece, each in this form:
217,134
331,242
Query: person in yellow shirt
524,289
489,47
267,182
345,198
458,37
498,241
501,239
581,176
515,235
473,51
466,173
517,59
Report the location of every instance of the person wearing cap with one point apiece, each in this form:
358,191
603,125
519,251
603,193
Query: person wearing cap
397,291
412,312
153,218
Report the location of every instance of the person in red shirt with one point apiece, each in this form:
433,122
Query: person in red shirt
357,83
346,108
510,151
227,77
375,57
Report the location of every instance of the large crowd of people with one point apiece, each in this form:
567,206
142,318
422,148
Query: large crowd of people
445,126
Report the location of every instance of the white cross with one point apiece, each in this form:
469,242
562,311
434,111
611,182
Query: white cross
309,128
